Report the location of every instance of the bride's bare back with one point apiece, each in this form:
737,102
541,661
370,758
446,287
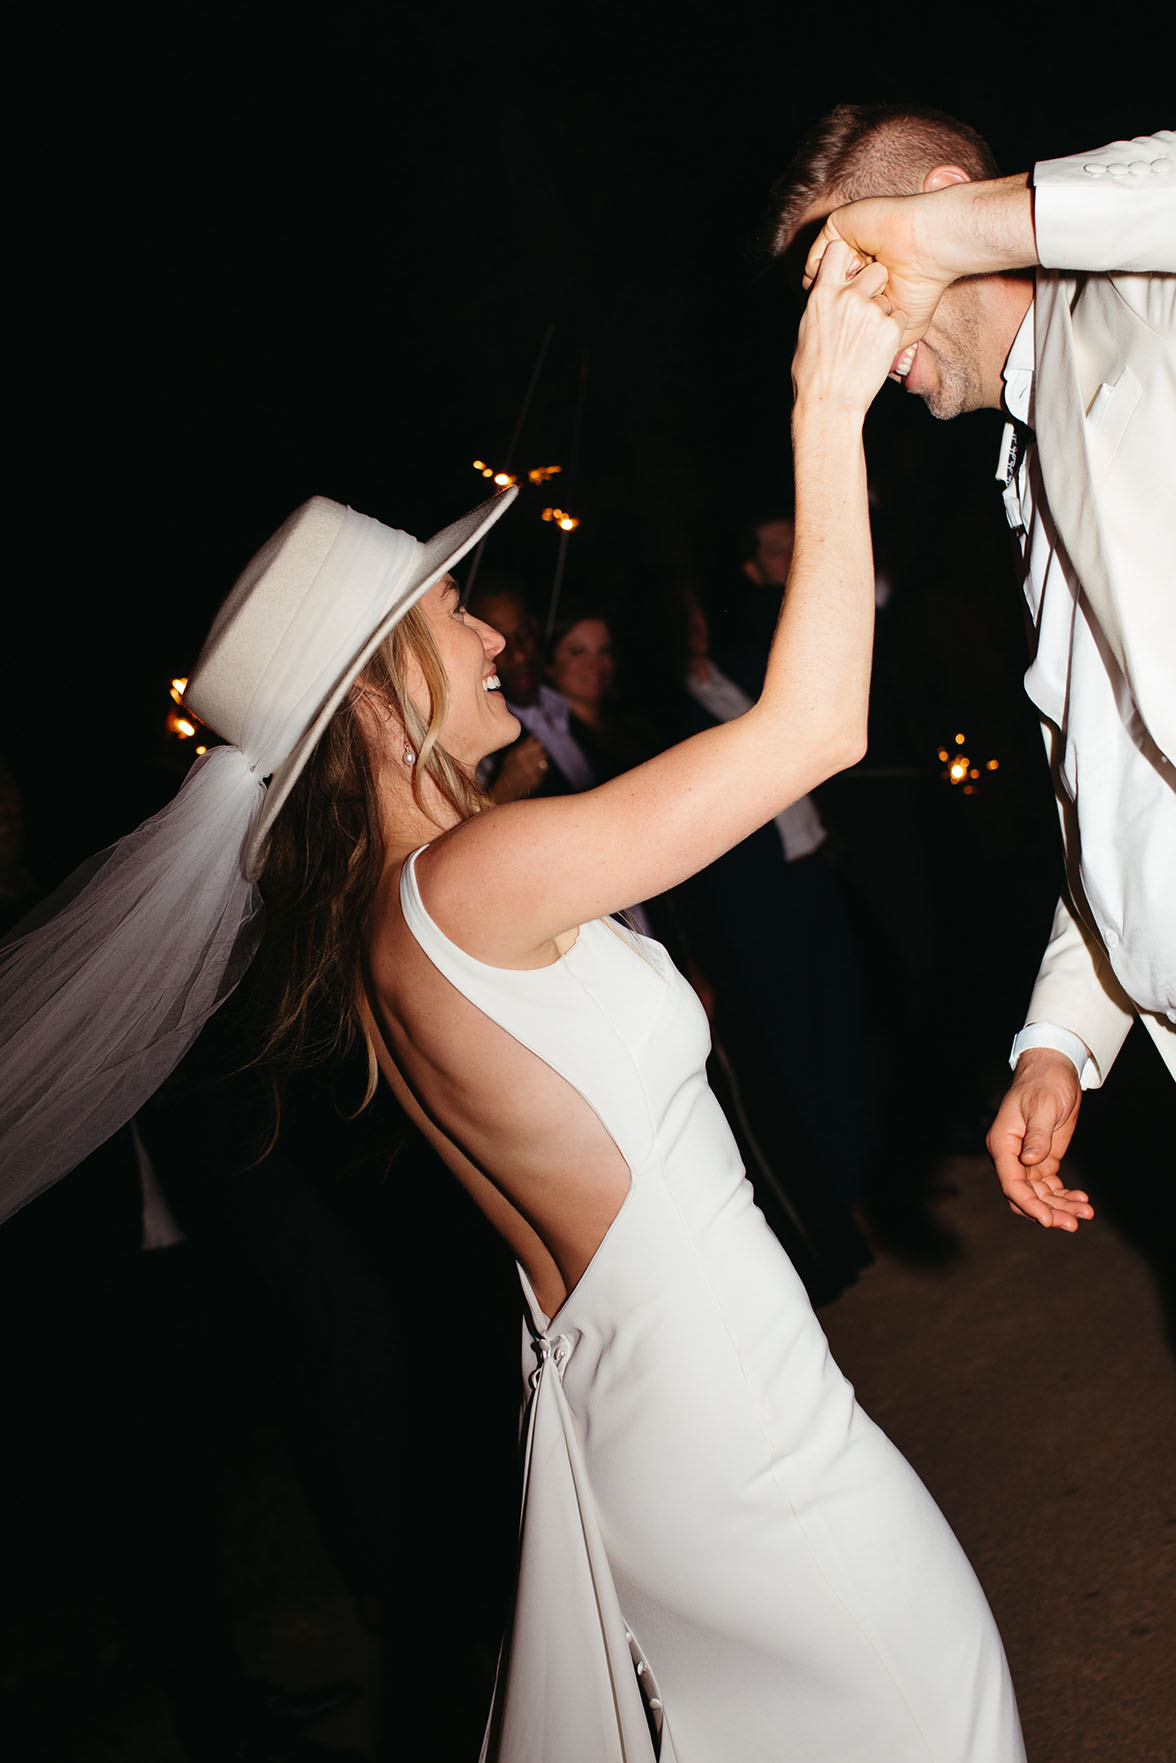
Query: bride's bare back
530,1151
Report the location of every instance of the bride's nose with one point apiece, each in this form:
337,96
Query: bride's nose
492,641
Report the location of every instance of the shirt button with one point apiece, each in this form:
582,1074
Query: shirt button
1111,939
1117,169
1095,170
1160,167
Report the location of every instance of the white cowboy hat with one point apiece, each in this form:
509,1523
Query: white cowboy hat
305,616
146,940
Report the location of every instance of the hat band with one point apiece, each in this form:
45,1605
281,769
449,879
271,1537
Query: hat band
366,569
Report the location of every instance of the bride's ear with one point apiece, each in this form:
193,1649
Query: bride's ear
372,708
379,720
382,725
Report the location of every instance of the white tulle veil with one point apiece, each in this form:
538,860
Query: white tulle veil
105,987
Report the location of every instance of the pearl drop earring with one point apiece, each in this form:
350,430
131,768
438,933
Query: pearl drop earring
409,756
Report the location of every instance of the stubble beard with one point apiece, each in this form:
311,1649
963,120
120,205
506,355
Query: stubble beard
954,342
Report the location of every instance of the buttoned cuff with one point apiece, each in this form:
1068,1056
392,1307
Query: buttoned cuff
1047,1034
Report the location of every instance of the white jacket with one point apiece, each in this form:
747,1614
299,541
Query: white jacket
1105,419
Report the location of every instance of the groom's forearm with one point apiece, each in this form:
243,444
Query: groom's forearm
976,228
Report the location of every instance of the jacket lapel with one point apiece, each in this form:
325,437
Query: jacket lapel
1064,457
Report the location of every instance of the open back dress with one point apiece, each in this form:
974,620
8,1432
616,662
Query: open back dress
721,1558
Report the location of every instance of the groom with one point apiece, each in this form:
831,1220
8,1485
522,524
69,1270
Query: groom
1053,297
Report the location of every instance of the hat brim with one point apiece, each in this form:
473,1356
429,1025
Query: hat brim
440,553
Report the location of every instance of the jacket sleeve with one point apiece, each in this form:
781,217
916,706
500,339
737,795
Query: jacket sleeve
1113,208
1075,989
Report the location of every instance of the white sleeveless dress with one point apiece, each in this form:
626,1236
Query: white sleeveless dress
722,1559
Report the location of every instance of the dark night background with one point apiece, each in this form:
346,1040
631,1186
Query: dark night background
267,253
263,255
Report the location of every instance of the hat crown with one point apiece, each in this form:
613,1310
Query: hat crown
303,619
256,614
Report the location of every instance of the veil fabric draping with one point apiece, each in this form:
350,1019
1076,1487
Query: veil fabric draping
120,970
105,987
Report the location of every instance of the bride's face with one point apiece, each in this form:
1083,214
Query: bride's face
477,721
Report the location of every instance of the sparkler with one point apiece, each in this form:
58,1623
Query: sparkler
182,726
959,770
538,474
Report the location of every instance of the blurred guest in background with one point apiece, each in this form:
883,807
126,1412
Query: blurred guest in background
766,926
545,760
877,848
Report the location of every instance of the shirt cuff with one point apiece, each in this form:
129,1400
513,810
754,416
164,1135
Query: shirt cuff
1047,1034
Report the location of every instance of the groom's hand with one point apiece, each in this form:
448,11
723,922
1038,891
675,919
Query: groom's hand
1031,1134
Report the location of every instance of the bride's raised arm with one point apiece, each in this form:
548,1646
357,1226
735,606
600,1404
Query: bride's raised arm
506,883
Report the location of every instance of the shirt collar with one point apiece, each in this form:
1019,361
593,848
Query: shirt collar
1018,373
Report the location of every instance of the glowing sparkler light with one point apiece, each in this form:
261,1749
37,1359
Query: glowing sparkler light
538,474
959,769
502,478
179,722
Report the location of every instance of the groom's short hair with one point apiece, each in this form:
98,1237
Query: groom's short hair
869,150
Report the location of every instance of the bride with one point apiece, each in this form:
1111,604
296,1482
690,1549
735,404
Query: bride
720,1556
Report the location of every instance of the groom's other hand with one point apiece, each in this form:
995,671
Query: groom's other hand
1030,1136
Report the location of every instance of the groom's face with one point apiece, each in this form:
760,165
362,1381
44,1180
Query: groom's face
945,368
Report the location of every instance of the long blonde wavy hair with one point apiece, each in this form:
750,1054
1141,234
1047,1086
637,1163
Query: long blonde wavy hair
324,861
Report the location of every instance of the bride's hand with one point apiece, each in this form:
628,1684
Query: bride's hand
849,335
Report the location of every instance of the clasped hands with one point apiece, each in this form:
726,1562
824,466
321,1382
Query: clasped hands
883,230
849,333
930,239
